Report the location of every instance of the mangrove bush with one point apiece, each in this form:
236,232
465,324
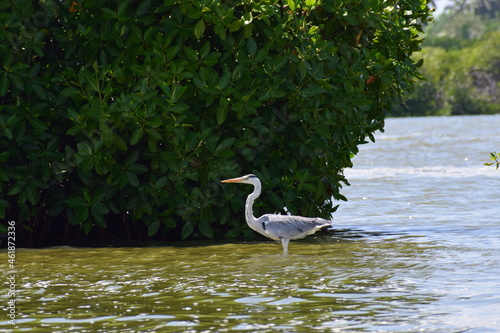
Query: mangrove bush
118,118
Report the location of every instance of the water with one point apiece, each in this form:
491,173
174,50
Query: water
417,248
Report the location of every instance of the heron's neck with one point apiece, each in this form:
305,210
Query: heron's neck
251,220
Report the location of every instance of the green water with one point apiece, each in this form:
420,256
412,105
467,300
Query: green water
325,284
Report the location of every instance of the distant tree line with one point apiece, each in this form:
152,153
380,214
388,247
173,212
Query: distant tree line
461,67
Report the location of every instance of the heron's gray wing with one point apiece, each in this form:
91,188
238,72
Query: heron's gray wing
290,226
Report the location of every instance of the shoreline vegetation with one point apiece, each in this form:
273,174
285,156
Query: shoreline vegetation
117,121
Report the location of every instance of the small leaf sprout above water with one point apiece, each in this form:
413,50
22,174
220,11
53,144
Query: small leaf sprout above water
495,157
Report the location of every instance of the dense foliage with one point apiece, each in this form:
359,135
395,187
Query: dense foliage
461,63
120,117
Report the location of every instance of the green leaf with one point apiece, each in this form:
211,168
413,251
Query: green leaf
169,222
153,133
226,143
235,25
191,54
8,133
39,91
177,108
199,29
302,70
70,91
86,194
221,113
122,8
335,208
16,188
17,80
292,4
137,135
132,158
143,8
86,225
118,142
82,216
279,63
91,80
155,122
153,144
132,179
137,168
108,13
99,208
247,18
4,85
84,149
177,91
212,59
247,30
224,81
205,49
350,19
349,87
251,46
206,230
220,30
38,125
187,230
76,202
31,194
161,182
262,54
153,228
98,218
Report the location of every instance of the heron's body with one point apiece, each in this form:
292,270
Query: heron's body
277,227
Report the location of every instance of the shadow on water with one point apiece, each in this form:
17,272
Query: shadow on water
350,281
347,233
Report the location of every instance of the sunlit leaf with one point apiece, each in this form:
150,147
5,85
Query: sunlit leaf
199,29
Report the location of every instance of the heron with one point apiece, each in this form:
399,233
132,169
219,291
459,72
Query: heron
277,227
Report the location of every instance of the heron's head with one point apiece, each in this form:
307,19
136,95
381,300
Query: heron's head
248,179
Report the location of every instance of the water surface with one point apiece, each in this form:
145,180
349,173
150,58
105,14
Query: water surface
417,248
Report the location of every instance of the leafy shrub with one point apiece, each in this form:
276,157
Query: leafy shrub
126,114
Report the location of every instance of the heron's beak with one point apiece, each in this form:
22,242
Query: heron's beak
233,180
